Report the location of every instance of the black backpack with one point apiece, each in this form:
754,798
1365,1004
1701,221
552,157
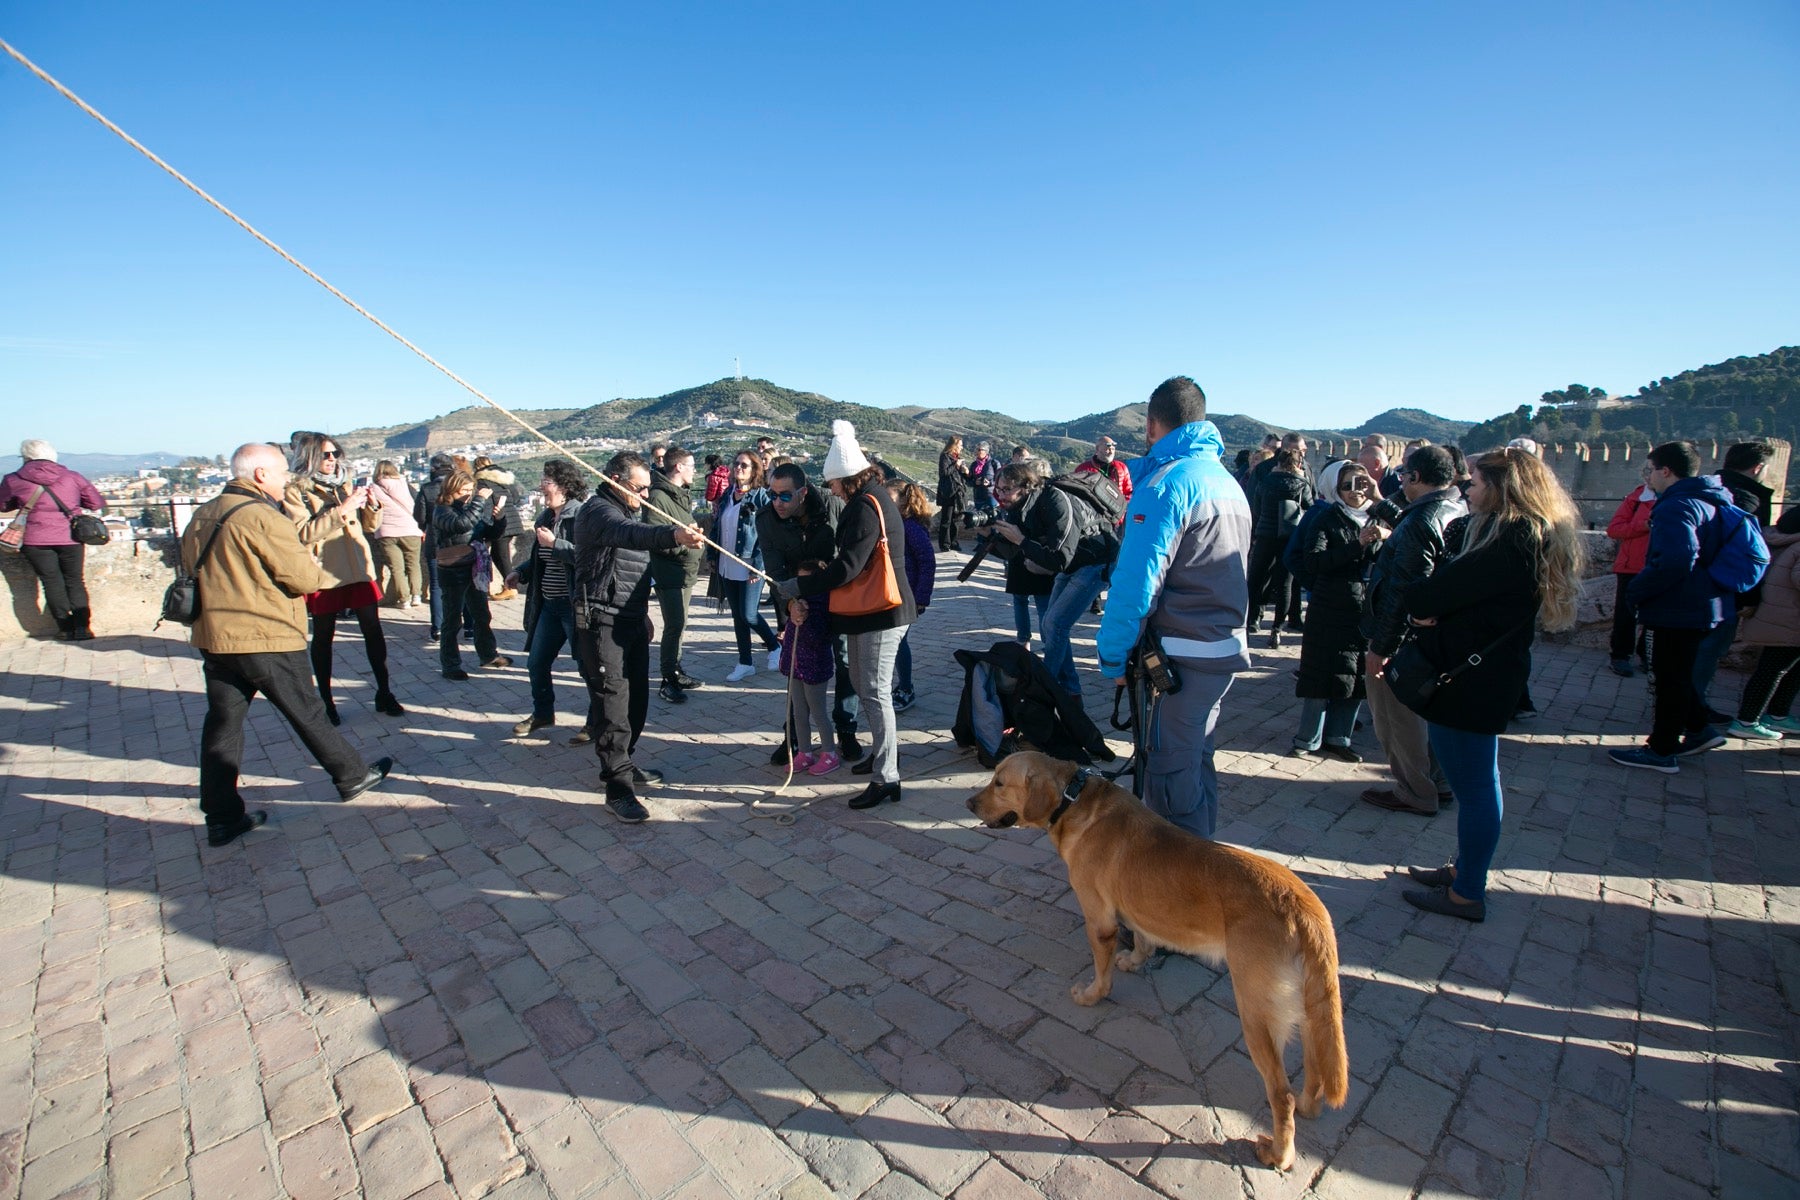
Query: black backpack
181,599
1098,491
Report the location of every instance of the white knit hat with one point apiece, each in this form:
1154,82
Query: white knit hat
845,458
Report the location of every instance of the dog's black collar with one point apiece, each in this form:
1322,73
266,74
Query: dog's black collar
1072,793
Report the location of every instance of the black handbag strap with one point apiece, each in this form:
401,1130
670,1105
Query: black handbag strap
60,504
214,535
1475,659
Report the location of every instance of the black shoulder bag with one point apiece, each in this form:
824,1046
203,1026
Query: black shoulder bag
85,528
1415,679
181,600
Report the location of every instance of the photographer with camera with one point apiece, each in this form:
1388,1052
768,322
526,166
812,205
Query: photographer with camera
1180,580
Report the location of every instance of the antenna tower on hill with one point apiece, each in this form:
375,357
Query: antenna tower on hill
737,366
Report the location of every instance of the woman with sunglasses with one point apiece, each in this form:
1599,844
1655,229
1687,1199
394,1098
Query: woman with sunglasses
1338,542
334,521
461,522
743,590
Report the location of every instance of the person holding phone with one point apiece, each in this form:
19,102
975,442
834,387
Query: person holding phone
334,520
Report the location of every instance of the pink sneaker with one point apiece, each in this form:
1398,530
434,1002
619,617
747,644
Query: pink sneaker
803,761
825,763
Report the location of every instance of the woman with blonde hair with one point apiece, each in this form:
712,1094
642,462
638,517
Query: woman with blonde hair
1517,564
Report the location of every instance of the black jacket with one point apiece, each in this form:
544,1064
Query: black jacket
1479,599
1331,650
858,533
952,488
1047,518
1412,552
678,566
1758,500
612,556
425,510
1038,711
1279,502
787,544
463,522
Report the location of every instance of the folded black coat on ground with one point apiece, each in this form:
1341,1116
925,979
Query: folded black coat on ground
1032,705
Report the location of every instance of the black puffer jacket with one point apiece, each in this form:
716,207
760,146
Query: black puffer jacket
1411,553
1280,502
1331,650
612,556
787,544
461,523
1479,599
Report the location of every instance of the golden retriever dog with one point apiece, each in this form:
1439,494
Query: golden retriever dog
1180,891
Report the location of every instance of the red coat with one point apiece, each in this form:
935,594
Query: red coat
1630,527
1120,476
718,482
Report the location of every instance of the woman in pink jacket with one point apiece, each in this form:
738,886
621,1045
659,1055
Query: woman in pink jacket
52,494
399,537
1630,527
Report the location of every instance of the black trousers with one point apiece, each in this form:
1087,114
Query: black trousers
457,586
1679,709
286,679
1773,684
675,599
1625,633
1270,583
59,570
615,655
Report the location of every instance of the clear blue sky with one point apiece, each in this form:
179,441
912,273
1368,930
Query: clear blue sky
1319,211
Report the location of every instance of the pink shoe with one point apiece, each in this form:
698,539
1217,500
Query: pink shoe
803,761
824,764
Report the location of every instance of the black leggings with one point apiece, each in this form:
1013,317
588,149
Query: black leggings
59,570
1773,684
374,641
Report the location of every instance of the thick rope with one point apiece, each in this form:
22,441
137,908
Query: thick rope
631,498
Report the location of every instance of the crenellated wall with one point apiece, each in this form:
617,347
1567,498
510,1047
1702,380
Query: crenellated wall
1598,474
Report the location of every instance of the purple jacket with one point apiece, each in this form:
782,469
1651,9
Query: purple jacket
46,526
807,651
921,562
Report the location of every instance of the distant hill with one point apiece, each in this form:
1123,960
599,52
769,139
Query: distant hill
1409,423
95,465
1750,396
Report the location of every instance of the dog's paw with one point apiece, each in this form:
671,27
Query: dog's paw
1087,996
1306,1106
1128,960
1265,1150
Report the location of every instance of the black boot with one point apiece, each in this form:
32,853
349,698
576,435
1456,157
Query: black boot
65,626
874,794
79,630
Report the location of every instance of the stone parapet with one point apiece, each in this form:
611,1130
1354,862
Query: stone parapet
125,580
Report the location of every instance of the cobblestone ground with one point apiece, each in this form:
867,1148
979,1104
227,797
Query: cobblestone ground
476,982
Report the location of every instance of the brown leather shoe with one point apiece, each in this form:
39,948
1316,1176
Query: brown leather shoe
1389,799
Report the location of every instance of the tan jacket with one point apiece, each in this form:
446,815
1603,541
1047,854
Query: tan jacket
253,581
1776,621
339,543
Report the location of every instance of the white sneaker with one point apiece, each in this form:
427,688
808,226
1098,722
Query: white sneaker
741,671
775,659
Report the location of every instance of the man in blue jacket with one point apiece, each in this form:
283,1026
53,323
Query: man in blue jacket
1677,600
1181,572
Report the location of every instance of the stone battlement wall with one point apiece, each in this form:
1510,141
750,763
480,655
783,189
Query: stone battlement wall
125,582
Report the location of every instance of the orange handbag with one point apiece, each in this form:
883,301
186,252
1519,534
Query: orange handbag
875,590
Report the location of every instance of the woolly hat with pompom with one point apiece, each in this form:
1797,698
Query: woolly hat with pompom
845,458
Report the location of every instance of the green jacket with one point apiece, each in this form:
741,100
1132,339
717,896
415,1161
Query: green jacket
676,567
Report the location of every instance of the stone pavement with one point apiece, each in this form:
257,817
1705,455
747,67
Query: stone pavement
476,982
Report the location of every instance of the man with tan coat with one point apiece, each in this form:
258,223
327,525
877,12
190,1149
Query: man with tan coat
251,634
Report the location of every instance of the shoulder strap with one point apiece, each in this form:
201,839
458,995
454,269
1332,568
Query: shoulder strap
59,503
35,497
880,517
212,537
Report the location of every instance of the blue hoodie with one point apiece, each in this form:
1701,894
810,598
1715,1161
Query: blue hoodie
1181,566
1674,591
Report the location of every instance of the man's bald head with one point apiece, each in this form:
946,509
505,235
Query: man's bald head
261,466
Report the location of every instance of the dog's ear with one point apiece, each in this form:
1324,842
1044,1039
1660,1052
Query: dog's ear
1039,780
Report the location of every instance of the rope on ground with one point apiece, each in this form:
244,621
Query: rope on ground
313,275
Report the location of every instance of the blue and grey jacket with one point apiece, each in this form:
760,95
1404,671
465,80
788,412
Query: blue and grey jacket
1182,565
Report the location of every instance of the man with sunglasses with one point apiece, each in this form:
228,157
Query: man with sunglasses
1412,552
612,621
798,526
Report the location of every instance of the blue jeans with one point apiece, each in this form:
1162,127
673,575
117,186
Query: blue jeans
903,665
744,596
1022,614
1326,722
554,629
1471,762
1071,596
1712,648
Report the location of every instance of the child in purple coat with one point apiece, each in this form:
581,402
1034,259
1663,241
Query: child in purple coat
921,573
806,660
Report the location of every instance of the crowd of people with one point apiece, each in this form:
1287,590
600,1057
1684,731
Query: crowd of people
1416,588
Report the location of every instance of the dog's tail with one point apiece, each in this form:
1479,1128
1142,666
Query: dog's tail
1322,1035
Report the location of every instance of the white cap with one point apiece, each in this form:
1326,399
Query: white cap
845,458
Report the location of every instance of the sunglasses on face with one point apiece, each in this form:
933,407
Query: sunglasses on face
328,454
786,497
741,466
